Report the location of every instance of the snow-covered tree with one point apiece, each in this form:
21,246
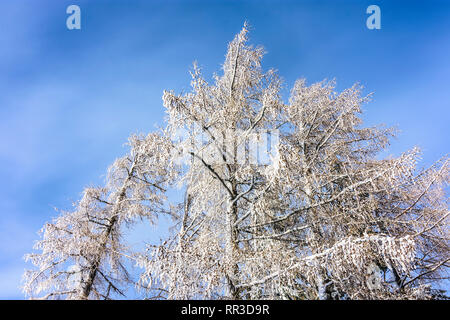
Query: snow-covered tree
324,218
82,251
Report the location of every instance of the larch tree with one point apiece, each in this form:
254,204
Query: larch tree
82,252
282,201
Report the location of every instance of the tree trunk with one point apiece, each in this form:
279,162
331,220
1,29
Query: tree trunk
93,269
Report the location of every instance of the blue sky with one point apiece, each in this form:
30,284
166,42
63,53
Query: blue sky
70,98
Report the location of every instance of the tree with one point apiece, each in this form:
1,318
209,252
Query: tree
322,219
83,251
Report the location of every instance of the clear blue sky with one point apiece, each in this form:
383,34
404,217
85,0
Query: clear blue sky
70,99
